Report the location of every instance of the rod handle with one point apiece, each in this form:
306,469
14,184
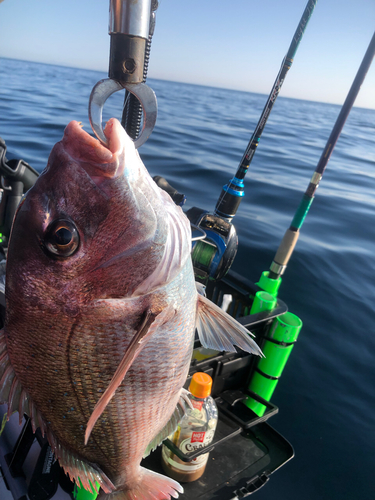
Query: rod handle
284,252
177,197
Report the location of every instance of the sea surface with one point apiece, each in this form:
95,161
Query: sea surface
326,395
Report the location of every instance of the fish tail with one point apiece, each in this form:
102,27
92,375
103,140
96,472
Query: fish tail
151,486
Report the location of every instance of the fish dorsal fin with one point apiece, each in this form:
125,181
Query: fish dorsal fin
17,398
150,323
219,331
184,404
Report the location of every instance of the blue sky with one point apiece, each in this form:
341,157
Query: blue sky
238,44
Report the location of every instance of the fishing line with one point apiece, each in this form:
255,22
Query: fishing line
290,238
233,192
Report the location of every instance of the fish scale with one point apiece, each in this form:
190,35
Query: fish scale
134,386
100,323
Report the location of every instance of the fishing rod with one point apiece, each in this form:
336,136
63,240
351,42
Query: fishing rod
233,192
213,257
290,238
284,330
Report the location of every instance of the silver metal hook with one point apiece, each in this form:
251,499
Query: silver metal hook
105,88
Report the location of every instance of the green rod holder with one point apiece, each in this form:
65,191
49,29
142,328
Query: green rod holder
268,284
278,345
263,301
80,493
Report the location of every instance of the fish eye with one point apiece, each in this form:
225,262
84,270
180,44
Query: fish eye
61,238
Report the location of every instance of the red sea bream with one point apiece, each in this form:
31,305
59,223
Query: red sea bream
101,310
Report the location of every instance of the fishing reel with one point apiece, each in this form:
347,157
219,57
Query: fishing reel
214,255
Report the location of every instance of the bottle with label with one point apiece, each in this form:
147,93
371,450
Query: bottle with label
196,430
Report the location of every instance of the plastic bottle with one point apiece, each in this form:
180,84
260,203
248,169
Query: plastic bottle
196,430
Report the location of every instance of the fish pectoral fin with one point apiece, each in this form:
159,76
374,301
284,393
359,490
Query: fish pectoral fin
219,331
149,324
183,404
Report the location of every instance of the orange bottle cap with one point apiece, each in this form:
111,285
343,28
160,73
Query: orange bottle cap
200,385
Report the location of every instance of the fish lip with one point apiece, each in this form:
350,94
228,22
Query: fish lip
113,131
74,132
99,161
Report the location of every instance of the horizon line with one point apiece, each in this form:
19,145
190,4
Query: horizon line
185,83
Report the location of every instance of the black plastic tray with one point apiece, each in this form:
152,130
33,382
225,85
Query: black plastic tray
237,467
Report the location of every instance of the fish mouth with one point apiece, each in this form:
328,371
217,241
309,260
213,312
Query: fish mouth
98,160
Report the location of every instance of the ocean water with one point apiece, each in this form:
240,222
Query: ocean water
326,395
